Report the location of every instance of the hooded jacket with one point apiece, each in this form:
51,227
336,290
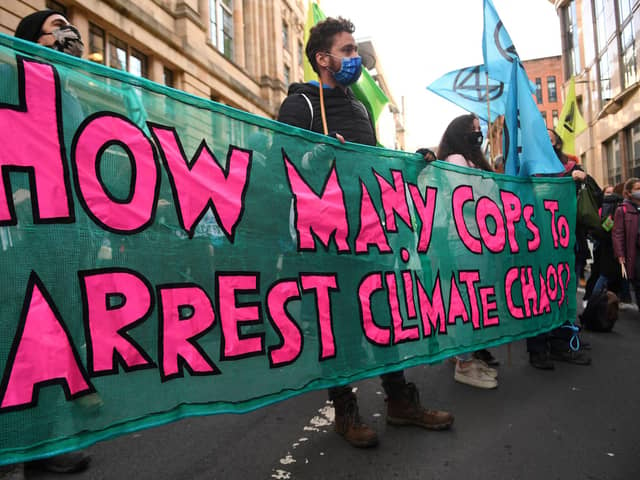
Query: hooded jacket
346,115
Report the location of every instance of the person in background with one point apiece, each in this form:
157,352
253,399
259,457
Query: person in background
605,271
625,235
333,54
556,344
427,154
625,289
53,30
461,145
572,168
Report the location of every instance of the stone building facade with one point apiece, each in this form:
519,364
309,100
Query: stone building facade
600,47
243,53
239,52
546,75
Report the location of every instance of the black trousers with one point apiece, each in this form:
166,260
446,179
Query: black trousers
392,382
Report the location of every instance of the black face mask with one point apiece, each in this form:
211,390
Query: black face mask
475,139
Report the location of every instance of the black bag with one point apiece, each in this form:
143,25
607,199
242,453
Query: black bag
601,312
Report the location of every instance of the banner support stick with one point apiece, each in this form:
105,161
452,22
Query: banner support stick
489,136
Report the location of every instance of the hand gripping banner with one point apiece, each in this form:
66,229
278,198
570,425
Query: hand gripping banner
164,256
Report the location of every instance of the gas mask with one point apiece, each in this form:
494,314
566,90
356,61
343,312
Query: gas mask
67,40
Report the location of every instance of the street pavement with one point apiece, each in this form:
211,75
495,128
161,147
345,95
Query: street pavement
572,423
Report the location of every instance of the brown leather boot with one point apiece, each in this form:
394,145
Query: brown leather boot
403,408
350,426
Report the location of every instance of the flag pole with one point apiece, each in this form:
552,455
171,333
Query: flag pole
322,110
489,122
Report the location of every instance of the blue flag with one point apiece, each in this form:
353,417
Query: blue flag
526,146
468,89
497,48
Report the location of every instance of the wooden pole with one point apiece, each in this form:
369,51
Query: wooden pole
489,122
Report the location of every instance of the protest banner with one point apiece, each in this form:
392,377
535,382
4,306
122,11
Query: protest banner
194,259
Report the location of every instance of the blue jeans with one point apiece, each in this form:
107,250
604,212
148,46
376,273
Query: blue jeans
601,284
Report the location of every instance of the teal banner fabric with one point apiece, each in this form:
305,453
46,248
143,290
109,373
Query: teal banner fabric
165,256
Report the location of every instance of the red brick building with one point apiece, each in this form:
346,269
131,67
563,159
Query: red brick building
546,74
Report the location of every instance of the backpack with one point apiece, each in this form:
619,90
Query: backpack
601,312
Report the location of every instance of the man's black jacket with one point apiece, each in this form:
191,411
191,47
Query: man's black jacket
346,115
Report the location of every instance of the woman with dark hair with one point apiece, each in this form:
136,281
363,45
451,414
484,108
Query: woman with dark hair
461,145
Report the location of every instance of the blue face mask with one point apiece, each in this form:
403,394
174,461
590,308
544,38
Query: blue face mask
349,72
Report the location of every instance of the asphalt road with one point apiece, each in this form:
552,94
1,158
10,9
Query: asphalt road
574,422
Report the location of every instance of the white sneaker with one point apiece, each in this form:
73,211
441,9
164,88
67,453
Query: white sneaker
473,374
489,371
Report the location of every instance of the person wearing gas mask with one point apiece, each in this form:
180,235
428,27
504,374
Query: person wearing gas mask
51,29
329,106
461,144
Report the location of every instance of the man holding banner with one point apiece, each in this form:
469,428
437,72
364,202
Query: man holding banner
329,107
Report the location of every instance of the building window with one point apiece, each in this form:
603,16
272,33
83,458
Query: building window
605,22
96,44
633,149
538,90
287,75
627,40
544,117
554,118
167,77
57,6
137,63
123,57
551,89
285,35
588,32
221,26
571,41
625,9
300,54
605,78
612,157
117,54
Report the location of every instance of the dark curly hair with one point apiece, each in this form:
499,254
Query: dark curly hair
321,37
455,140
